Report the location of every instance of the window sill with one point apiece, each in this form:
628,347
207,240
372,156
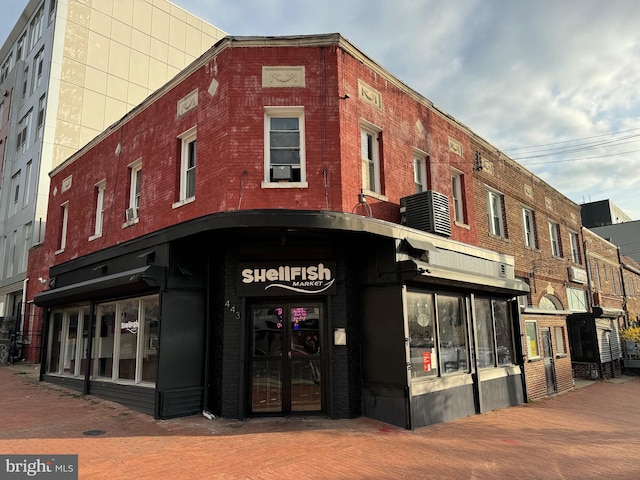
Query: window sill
128,223
377,196
561,355
534,359
93,237
462,225
285,185
498,237
58,251
185,201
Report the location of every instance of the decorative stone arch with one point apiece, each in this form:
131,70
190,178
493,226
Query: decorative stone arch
550,302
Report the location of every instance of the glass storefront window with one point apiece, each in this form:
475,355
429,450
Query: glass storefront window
452,334
532,339
484,330
504,332
129,324
151,309
105,339
70,349
55,343
421,320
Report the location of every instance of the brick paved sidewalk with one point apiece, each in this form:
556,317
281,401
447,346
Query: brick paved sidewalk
588,433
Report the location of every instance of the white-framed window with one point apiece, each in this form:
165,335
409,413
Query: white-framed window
68,342
40,119
529,226
558,333
577,299
38,66
126,341
554,237
22,47
99,192
15,191
575,247
135,182
187,167
419,172
37,25
370,153
27,183
52,10
284,148
495,206
6,67
28,234
457,185
531,335
25,84
23,133
62,233
12,253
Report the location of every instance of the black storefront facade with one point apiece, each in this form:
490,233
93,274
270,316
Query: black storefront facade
259,313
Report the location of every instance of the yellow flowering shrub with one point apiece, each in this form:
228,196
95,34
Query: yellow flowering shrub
631,333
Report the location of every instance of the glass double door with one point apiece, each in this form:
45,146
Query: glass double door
286,364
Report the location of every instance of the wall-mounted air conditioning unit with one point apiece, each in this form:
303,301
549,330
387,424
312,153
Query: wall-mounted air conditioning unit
427,211
131,213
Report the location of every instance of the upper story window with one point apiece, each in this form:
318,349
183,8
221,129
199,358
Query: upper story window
25,84
554,236
37,26
457,189
529,226
419,172
27,183
62,233
40,120
575,247
23,133
284,147
495,211
6,67
38,66
22,47
135,182
15,192
187,192
370,153
99,205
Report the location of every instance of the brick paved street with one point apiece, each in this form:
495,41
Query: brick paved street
589,433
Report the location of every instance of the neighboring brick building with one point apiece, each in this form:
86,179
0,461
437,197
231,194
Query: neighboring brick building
270,273
596,346
519,214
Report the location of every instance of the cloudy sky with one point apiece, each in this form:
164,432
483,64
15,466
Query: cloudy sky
553,84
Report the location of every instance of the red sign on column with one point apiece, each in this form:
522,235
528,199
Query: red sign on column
426,361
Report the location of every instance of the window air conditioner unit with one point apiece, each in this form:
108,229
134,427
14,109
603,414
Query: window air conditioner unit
281,172
131,213
427,211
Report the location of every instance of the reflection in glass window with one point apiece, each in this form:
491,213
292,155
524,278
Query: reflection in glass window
129,326
532,339
484,330
105,335
421,320
452,334
504,332
70,350
56,343
151,308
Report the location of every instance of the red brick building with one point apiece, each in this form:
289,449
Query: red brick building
520,214
283,228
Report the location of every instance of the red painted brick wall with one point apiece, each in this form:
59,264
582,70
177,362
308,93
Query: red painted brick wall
230,139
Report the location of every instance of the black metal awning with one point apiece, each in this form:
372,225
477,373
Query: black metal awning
423,272
121,283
